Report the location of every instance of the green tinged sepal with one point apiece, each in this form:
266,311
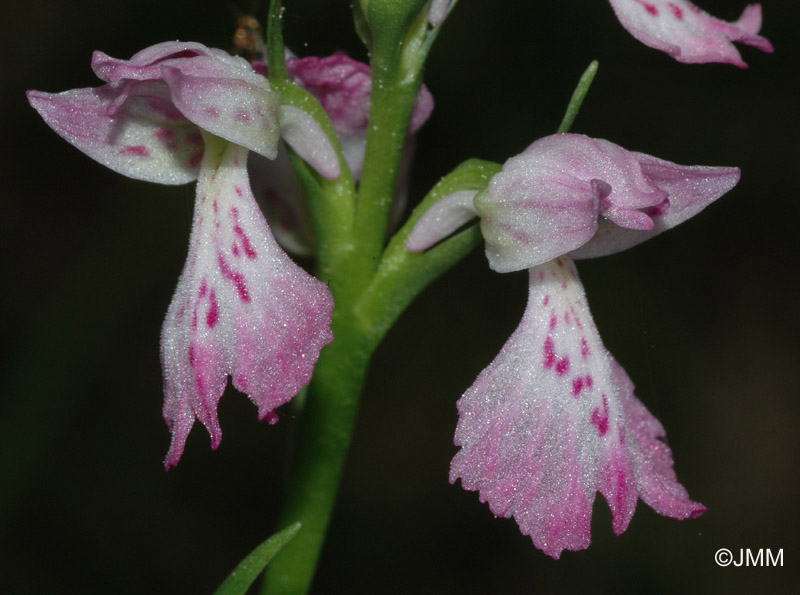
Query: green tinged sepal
239,581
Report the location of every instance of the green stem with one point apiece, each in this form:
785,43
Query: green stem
323,438
398,52
351,238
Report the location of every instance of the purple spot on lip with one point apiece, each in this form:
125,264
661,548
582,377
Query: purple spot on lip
237,278
676,10
237,229
138,150
549,353
601,419
211,112
651,8
562,367
213,312
242,116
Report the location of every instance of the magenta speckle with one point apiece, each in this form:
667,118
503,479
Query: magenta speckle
676,10
550,359
541,275
216,207
562,366
585,351
546,300
560,263
553,320
238,191
237,278
601,419
549,353
212,316
577,386
567,319
651,8
589,381
237,229
191,356
235,249
242,116
211,112
138,150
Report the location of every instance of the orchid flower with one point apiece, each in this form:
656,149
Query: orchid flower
553,419
689,34
177,112
342,86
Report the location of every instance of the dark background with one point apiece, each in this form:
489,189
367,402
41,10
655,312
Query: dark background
703,318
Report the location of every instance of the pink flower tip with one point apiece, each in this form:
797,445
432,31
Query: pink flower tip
689,34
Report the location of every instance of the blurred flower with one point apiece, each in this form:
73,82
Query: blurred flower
173,113
342,86
689,34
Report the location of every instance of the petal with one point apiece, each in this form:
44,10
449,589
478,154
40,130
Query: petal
689,34
240,111
304,134
550,422
438,11
145,138
192,59
242,308
652,459
145,64
689,189
442,219
543,204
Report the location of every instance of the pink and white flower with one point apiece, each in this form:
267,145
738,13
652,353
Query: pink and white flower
568,193
553,419
177,112
343,86
689,34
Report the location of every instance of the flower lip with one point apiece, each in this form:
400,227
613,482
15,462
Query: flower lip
553,420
